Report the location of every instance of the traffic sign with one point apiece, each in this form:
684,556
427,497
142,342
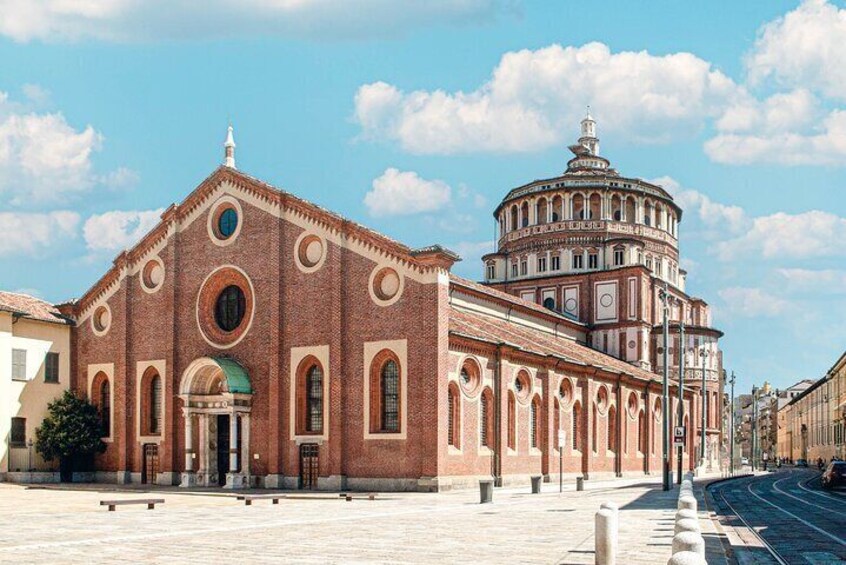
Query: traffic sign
678,436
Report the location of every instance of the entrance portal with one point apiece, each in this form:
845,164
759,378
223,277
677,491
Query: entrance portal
222,448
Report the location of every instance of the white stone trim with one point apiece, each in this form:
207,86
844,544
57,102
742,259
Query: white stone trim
456,376
373,296
300,265
160,365
252,312
210,227
151,289
400,349
98,332
109,370
321,353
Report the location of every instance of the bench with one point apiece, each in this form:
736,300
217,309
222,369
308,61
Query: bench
349,496
249,498
150,502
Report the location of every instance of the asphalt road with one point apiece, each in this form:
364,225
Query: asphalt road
784,517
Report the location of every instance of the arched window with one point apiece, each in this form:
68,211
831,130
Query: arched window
641,432
579,207
453,416
541,211
156,405
556,421
514,217
630,210
512,421
577,426
594,424
386,402
612,429
314,399
595,206
105,406
557,208
534,415
524,210
486,431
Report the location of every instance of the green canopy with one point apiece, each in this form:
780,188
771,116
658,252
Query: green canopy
237,379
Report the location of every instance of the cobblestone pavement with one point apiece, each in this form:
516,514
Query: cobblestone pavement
69,526
788,519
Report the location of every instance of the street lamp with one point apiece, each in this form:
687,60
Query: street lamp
731,426
754,424
664,295
682,347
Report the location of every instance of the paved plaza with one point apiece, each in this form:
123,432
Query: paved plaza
63,525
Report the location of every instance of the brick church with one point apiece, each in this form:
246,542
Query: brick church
252,338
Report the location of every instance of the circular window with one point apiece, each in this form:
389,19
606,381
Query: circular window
522,385
310,252
152,275
230,308
565,391
386,286
101,320
227,223
225,307
469,377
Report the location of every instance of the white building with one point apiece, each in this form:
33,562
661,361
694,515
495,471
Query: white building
34,371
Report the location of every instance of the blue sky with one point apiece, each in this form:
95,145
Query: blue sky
112,111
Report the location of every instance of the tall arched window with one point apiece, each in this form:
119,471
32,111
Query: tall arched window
556,421
105,406
524,211
390,396
486,432
314,399
512,421
514,217
156,405
534,416
453,416
577,426
594,421
641,432
612,429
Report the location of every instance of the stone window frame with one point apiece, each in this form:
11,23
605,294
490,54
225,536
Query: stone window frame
96,374
143,275
144,371
97,327
223,203
474,369
454,420
300,247
303,358
486,420
305,367
376,353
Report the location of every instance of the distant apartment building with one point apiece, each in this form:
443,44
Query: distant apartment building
34,370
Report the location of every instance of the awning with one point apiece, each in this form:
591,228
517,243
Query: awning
237,379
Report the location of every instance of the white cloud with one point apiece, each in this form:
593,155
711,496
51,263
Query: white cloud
132,20
42,157
804,48
398,192
722,218
118,230
471,253
752,302
823,281
535,99
33,234
795,236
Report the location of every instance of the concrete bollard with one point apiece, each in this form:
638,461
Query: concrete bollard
615,509
536,484
580,483
687,558
689,541
485,491
686,513
687,502
605,537
686,525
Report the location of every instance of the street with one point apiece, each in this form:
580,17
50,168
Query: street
782,517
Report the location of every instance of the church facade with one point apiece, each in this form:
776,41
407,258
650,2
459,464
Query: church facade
255,339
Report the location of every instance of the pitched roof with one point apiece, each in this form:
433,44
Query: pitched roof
27,306
495,330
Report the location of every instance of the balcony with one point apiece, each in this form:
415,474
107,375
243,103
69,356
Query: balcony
610,227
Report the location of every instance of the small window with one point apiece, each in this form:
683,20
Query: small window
105,408
533,424
524,268
51,368
18,433
619,257
227,223
593,261
514,270
231,306
19,364
541,264
491,271
578,261
556,263
549,303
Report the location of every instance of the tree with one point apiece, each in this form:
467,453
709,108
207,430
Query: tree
70,432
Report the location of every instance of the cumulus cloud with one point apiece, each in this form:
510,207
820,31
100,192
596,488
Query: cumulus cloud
43,159
33,234
132,20
118,230
822,281
796,236
535,98
722,218
752,302
397,193
803,48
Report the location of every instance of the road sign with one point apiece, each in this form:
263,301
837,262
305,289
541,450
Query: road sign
678,436
562,438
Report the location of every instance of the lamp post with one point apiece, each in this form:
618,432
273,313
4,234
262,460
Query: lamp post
754,424
731,426
682,347
704,354
665,397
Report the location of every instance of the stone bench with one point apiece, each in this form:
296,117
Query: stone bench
249,498
150,502
349,496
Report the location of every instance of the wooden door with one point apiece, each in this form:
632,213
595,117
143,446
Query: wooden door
309,465
151,464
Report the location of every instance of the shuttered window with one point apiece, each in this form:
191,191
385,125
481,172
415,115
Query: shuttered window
18,433
19,364
51,368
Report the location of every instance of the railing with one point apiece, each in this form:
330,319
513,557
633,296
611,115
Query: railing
611,226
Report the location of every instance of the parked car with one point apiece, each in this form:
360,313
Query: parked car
834,475
801,462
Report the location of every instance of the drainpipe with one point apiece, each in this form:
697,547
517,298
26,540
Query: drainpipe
497,456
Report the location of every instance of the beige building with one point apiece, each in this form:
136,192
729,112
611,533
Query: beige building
34,370
813,424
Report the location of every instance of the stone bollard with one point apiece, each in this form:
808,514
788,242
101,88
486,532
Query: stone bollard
536,484
615,509
485,491
687,558
605,537
689,541
687,502
686,513
580,483
686,525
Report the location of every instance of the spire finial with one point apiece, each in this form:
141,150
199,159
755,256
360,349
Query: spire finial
229,148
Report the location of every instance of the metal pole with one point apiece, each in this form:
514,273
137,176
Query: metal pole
704,354
560,468
665,403
754,423
731,427
681,396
